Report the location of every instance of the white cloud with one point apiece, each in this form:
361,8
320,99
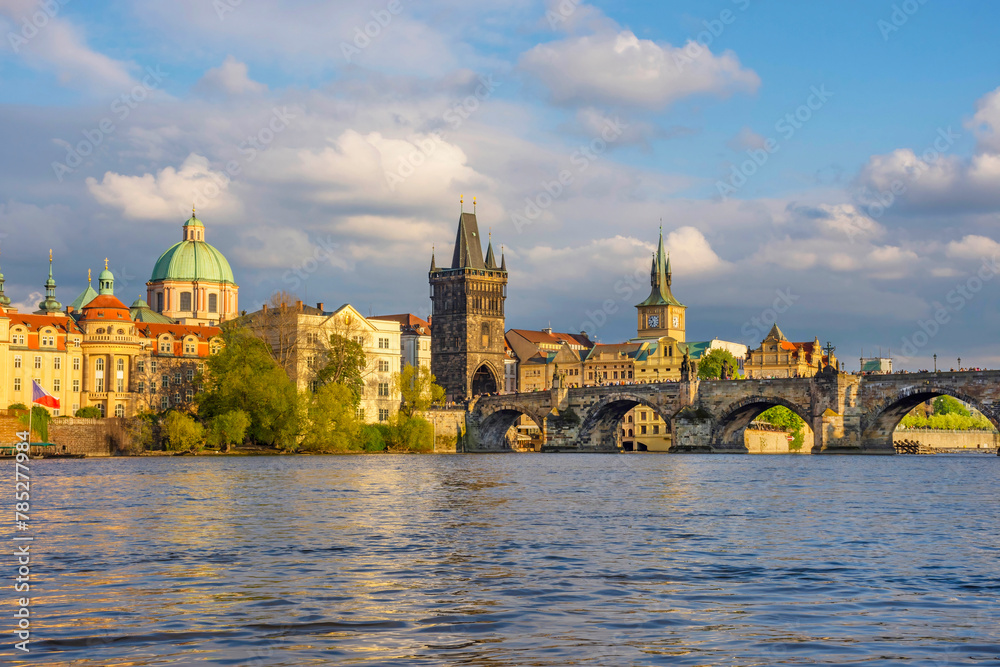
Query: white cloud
691,253
618,68
229,78
986,122
169,193
973,247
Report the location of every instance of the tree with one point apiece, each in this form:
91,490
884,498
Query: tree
244,376
710,364
227,429
277,325
89,412
946,405
419,389
17,406
40,420
786,420
182,432
345,363
332,425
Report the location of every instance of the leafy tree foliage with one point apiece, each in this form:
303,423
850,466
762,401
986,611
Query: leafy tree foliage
17,406
419,389
89,412
244,376
410,434
787,420
947,405
182,432
40,420
345,362
710,364
227,429
331,425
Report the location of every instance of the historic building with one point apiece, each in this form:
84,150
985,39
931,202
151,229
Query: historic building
661,315
468,352
414,340
192,282
300,339
778,357
96,354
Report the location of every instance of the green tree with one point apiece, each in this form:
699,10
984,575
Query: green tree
419,389
227,429
182,432
40,419
244,376
331,425
946,405
372,437
411,434
89,412
710,364
17,406
345,363
786,420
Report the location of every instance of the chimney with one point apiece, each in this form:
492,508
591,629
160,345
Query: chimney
547,330
320,306
298,305
264,308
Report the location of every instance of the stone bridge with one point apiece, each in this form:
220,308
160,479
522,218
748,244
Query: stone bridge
844,413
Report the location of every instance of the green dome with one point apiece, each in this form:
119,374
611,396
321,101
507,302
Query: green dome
188,261
193,222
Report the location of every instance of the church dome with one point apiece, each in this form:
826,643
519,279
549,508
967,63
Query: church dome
193,259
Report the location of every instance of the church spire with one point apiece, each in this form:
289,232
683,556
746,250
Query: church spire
4,299
49,305
503,261
468,245
660,279
434,267
491,261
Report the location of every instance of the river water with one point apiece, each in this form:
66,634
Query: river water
513,560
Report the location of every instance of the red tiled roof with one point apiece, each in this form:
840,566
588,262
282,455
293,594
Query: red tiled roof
155,329
36,322
554,338
408,321
106,307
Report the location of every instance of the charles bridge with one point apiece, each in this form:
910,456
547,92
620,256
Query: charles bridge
846,414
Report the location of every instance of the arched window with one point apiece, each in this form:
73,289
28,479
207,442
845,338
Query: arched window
185,301
120,365
213,303
486,335
100,365
159,301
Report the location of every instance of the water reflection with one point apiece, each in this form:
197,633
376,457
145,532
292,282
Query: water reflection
506,560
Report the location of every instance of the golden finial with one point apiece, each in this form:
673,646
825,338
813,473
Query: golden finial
473,204
50,255
461,203
192,210
105,263
88,277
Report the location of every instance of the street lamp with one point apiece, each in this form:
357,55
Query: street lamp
935,363
960,363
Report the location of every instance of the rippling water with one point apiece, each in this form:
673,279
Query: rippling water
514,560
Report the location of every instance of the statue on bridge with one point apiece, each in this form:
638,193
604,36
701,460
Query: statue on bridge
688,368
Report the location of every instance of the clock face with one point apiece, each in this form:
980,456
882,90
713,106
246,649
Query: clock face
677,321
654,320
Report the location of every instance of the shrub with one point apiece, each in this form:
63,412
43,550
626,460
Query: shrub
182,432
89,412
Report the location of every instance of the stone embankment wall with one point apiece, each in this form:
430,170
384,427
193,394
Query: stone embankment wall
770,442
72,435
449,428
940,439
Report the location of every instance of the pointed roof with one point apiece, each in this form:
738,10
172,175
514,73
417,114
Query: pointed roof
660,278
433,263
86,296
503,260
141,312
775,333
468,245
491,262
49,304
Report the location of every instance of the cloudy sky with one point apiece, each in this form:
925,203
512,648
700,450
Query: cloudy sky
834,166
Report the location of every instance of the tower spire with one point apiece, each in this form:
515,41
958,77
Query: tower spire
49,305
4,299
434,267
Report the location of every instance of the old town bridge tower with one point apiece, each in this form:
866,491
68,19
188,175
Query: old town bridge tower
467,343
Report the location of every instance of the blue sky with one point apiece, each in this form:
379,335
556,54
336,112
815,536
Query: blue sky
316,209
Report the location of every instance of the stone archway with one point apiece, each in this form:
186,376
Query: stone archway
484,381
497,428
600,428
729,432
879,422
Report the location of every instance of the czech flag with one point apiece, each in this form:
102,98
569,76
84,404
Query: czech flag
42,397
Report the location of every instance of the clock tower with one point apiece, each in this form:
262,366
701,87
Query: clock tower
661,314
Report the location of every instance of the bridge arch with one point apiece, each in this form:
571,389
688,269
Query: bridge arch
600,427
496,421
881,420
731,425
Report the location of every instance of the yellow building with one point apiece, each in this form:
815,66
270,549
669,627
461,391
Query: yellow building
778,357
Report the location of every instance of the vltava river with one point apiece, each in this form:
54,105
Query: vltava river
513,560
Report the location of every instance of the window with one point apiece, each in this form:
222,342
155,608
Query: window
141,386
76,406
383,365
140,367
152,386
76,363
17,361
383,388
213,303
17,384
17,339
310,361
159,302
119,410
165,380
177,399
383,343
383,414
152,365
55,412
642,416
642,429
185,301
165,346
100,406
190,347
360,340
359,413
48,340
485,334
38,362
120,386
57,385
656,429
99,365
57,363
177,377
190,374
76,387
189,395
120,365
164,402
99,385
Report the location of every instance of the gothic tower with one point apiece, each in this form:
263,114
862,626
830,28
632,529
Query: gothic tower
467,327
661,314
